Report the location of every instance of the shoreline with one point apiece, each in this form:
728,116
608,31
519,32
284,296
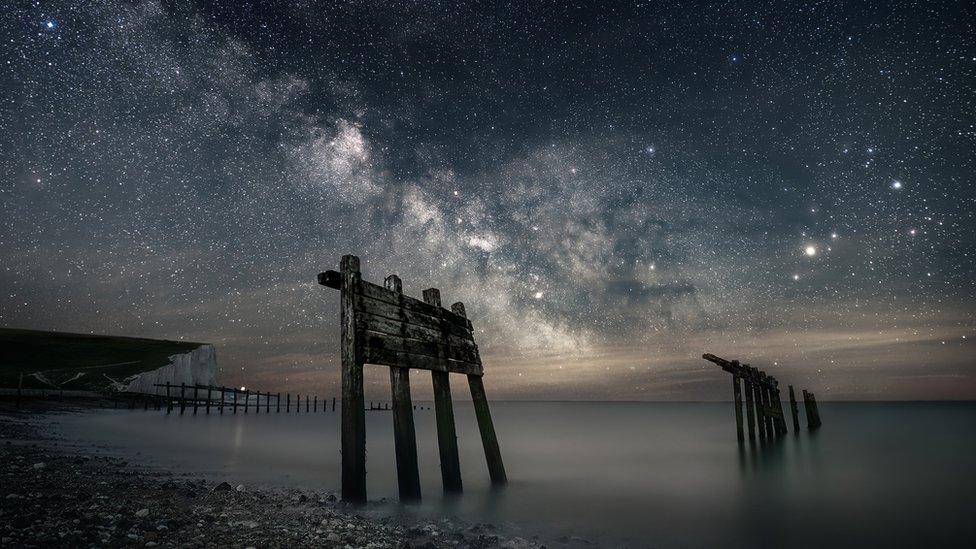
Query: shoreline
76,496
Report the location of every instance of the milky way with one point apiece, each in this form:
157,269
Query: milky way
612,191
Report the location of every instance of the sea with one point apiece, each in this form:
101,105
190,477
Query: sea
613,474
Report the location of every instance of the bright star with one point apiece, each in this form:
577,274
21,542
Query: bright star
50,24
810,251
538,295
796,277
896,185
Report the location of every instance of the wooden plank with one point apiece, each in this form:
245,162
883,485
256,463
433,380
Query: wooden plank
413,305
444,412
462,353
391,320
395,312
387,357
353,415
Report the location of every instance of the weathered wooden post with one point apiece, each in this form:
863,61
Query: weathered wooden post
813,415
353,414
737,401
182,398
757,399
444,411
278,404
794,411
222,398
404,434
209,397
315,404
195,400
267,402
20,388
169,400
764,397
235,399
287,403
306,404
333,403
750,405
778,405
247,399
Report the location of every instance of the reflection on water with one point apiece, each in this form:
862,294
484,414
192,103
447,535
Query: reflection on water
664,475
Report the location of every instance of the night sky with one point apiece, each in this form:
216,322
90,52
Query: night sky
611,189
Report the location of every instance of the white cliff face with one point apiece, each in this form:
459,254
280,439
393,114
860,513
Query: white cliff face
198,367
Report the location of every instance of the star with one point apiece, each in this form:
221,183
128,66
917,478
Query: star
810,250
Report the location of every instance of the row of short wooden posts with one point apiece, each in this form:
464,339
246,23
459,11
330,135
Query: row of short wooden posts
764,407
194,397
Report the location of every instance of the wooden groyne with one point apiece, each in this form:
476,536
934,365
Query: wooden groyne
380,325
764,407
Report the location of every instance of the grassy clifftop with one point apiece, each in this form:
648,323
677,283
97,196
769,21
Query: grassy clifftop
79,361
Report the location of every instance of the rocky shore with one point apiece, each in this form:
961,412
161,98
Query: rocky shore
61,496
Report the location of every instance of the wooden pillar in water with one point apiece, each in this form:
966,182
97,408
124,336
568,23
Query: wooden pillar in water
737,403
247,399
778,404
278,404
169,400
794,411
196,400
333,403
209,395
182,398
235,400
444,411
315,404
404,433
353,414
493,454
757,399
767,407
267,402
813,415
287,403
223,392
750,405
306,404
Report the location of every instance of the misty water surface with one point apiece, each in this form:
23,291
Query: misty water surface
640,474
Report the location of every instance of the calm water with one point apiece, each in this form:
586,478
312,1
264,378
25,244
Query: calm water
638,474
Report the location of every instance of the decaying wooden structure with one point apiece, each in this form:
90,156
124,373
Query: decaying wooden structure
764,408
380,325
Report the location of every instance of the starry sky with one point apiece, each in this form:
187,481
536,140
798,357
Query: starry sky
612,189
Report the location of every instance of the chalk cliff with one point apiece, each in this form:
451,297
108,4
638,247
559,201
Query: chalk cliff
197,367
